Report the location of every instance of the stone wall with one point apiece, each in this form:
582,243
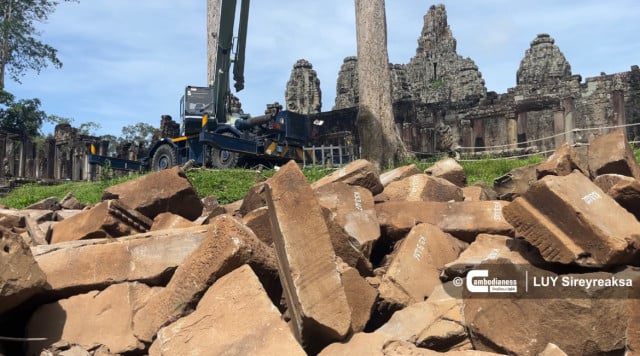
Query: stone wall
438,91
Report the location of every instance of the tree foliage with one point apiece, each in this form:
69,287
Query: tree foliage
23,116
140,133
20,49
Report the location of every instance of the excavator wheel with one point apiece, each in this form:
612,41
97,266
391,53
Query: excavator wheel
164,158
222,159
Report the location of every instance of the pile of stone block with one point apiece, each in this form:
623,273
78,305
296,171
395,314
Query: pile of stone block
357,263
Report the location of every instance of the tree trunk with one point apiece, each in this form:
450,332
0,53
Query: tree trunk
379,138
213,24
4,46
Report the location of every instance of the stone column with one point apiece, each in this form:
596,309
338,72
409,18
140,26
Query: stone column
522,129
478,135
466,133
51,158
22,165
3,151
558,128
617,98
512,132
569,122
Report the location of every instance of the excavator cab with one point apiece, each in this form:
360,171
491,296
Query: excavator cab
195,103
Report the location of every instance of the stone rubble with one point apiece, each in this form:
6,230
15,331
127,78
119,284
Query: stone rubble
330,268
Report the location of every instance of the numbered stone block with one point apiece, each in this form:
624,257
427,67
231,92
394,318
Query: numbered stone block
570,220
464,220
318,306
414,270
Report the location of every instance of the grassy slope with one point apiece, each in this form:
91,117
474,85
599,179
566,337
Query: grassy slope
231,185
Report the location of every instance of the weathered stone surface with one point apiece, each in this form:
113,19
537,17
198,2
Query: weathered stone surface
50,203
361,297
20,275
352,209
164,221
253,199
577,319
562,162
437,323
414,270
463,220
315,296
110,218
633,326
359,344
235,316
607,181
421,187
69,201
359,172
475,193
552,350
258,221
303,93
543,62
627,194
168,190
97,317
611,153
450,170
347,94
570,220
487,247
515,183
398,174
146,257
345,247
228,245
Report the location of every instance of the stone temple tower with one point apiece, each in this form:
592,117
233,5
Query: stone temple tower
303,93
437,73
543,62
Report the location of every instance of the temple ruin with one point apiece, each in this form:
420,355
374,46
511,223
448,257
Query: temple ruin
441,102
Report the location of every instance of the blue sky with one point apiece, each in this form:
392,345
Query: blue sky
128,61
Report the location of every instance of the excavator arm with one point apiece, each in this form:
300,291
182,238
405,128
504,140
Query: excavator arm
221,87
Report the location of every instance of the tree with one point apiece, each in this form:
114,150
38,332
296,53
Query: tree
379,138
20,50
213,24
23,116
141,133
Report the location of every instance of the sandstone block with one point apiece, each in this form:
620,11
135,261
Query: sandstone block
450,170
515,183
146,257
633,326
168,190
227,245
570,220
475,193
552,350
253,200
487,247
50,203
421,187
359,344
562,162
110,218
359,172
627,194
418,322
464,220
258,221
20,275
607,181
235,316
307,263
69,201
361,297
398,174
97,317
590,320
415,266
165,221
611,153
352,209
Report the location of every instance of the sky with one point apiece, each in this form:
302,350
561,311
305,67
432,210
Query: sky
129,61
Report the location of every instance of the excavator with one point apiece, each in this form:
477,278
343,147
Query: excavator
214,132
